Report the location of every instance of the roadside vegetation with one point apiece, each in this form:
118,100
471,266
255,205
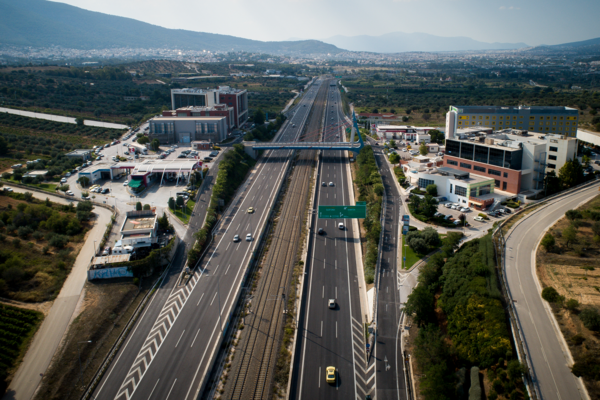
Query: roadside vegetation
262,132
370,188
17,327
567,266
39,241
462,324
233,169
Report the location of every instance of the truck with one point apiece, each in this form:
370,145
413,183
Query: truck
138,148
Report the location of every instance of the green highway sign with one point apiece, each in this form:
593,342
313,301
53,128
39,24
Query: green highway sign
358,211
361,203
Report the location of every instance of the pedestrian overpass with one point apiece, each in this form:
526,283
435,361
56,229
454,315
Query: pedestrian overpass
320,145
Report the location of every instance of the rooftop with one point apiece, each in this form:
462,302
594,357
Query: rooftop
201,118
79,152
514,110
139,220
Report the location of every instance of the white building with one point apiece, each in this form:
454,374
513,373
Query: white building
138,230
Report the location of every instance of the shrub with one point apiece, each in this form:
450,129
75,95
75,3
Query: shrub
16,242
548,242
590,318
58,241
551,295
572,304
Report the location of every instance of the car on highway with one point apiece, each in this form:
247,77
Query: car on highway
330,183
341,226
321,231
479,219
69,193
250,210
330,374
236,238
331,303
249,237
323,184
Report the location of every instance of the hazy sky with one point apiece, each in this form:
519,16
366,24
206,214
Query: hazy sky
533,22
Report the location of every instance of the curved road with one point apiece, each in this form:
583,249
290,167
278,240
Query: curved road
543,340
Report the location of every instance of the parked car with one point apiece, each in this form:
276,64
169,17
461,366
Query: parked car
7,189
106,251
105,190
448,205
479,219
63,180
448,217
438,214
465,209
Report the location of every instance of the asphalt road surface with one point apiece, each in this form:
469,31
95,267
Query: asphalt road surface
170,350
331,337
543,339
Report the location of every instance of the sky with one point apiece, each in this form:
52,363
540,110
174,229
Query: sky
533,22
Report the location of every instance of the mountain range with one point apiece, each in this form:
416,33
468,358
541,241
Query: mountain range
398,42
41,23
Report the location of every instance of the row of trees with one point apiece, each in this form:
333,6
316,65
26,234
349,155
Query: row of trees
570,174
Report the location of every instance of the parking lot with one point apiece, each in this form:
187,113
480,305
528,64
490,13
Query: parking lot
471,214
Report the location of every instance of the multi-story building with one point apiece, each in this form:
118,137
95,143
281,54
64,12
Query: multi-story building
170,130
516,160
195,97
238,99
405,132
559,120
218,110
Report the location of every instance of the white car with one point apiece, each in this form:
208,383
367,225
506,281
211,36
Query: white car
479,219
341,226
454,207
69,193
331,303
249,237
63,180
236,238
68,174
125,183
465,209
448,205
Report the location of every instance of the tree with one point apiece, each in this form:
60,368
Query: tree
571,174
569,234
171,203
146,206
63,188
419,246
429,205
572,215
596,228
138,206
84,181
79,121
420,305
590,318
3,146
432,190
378,189
423,149
436,136
548,242
572,304
431,237
426,116
259,117
394,158
163,222
179,201
586,160
552,183
551,295
143,140
393,144
462,218
155,144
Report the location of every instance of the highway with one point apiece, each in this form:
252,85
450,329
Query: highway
391,382
331,337
170,350
543,339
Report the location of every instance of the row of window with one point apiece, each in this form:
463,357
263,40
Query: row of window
479,169
497,184
464,117
514,123
423,183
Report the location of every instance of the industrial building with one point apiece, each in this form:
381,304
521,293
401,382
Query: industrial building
405,132
83,154
543,119
170,130
218,110
194,97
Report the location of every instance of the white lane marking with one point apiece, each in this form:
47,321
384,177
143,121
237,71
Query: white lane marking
238,246
200,300
153,389
194,341
228,246
319,377
336,329
323,295
247,226
336,292
216,269
213,300
176,344
227,269
238,227
321,328
253,197
167,398
260,198
335,264
323,263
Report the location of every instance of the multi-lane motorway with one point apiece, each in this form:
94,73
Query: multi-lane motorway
170,350
543,340
331,337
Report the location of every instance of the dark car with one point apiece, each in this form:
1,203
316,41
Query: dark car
321,231
105,190
181,156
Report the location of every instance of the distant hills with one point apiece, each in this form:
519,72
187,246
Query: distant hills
41,23
398,42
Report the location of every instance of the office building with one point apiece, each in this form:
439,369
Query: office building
195,97
238,99
170,130
558,120
218,110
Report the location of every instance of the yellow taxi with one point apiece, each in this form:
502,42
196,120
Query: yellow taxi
330,374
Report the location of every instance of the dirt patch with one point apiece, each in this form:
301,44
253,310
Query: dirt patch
43,307
105,310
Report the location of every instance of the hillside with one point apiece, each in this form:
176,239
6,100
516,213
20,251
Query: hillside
41,23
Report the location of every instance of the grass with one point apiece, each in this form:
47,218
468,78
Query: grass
48,187
409,254
185,216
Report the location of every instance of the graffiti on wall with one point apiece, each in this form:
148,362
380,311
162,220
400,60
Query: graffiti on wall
109,273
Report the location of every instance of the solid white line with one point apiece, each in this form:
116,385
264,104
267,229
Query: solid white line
321,328
179,338
153,389
324,263
336,292
194,341
323,296
200,300
319,377
167,398
213,300
336,329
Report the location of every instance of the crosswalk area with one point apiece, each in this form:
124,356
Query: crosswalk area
365,371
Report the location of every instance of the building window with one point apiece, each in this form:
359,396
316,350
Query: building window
460,191
531,117
551,157
494,172
465,165
497,183
503,185
553,166
505,174
478,168
496,157
554,149
483,190
466,151
452,162
423,183
450,188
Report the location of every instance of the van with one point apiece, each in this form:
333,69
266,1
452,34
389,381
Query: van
122,250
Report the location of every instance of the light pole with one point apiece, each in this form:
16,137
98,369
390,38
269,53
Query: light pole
95,252
79,354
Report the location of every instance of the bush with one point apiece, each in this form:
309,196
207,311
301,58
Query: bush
572,304
548,242
590,318
58,241
551,295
